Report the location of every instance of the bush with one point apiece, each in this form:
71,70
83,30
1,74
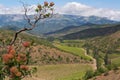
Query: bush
102,70
13,63
67,59
89,74
112,66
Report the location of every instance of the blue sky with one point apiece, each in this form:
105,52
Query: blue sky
102,8
110,4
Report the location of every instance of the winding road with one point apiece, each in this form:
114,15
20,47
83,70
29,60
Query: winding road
94,60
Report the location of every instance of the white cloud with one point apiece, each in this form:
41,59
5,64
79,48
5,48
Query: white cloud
11,10
84,10
72,8
15,10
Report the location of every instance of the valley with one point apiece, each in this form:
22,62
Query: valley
74,52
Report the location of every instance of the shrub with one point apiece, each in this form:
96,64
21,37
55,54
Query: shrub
13,63
102,70
89,74
67,59
112,66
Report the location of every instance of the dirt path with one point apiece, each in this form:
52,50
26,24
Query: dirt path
94,60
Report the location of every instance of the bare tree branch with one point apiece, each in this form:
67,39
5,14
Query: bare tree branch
40,15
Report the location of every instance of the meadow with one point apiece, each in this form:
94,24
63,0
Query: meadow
115,59
73,47
62,71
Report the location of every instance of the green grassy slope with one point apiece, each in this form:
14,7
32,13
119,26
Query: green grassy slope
73,50
62,71
42,51
7,36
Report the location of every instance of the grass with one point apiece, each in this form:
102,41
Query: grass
116,61
74,50
74,43
62,71
8,35
114,55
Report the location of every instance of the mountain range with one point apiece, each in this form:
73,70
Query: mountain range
56,23
93,32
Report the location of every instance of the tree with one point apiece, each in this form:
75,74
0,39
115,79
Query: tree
15,64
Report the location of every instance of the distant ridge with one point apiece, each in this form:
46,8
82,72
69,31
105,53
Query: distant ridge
93,32
57,22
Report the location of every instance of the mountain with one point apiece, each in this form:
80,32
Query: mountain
57,22
93,32
74,29
9,27
70,29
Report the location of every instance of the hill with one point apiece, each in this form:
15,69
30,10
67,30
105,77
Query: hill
110,75
74,29
42,51
93,32
9,27
70,29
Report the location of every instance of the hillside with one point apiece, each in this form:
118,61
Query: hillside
93,32
106,40
42,51
74,29
9,27
110,75
70,29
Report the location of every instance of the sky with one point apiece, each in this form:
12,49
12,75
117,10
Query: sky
110,4
101,8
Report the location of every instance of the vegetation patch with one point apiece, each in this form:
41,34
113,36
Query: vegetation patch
62,71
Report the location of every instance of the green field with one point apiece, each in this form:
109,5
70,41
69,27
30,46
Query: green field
73,50
62,71
114,55
115,59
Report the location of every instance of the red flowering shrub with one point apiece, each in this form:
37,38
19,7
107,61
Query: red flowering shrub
46,3
24,67
14,64
13,70
26,44
52,4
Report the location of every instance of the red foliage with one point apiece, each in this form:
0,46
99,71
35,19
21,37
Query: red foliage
21,58
18,74
24,67
52,4
45,3
7,57
13,70
26,44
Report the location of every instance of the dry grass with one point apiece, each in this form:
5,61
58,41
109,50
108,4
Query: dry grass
60,72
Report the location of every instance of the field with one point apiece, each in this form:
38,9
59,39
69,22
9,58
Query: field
62,71
115,59
73,47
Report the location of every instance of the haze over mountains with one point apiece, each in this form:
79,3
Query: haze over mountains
72,17
55,23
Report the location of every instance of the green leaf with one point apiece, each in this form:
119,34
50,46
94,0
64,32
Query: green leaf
36,10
